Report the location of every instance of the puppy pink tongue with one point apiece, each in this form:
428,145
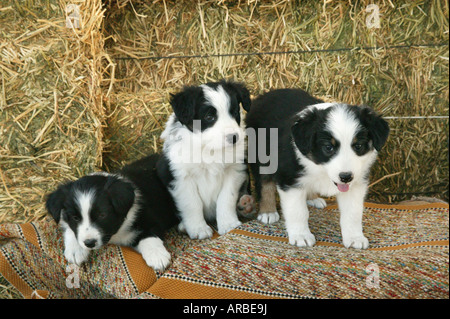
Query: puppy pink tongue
343,187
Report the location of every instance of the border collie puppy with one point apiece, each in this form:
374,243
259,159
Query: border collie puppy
324,148
203,162
130,208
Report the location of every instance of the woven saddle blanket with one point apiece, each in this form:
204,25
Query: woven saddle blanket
408,258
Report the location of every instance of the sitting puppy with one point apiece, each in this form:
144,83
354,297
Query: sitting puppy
323,148
203,156
130,208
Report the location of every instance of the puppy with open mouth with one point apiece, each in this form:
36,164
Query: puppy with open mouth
323,148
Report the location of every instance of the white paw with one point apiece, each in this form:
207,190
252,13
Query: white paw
302,239
199,231
158,260
357,242
317,202
75,254
154,253
224,228
269,218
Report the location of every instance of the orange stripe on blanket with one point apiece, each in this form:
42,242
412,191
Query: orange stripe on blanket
328,244
13,278
413,245
173,288
397,206
30,234
142,275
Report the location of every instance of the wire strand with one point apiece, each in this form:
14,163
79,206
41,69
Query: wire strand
441,117
220,55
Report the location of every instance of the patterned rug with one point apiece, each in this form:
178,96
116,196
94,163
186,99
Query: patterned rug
408,258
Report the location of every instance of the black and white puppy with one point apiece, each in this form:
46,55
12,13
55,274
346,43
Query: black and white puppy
204,155
130,208
323,148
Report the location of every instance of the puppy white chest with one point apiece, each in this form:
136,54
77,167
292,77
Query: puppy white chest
208,179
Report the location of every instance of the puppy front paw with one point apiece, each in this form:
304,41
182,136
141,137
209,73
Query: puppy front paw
199,231
158,259
76,254
357,242
305,239
225,227
154,253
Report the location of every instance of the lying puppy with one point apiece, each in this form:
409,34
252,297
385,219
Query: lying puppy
324,148
129,208
204,152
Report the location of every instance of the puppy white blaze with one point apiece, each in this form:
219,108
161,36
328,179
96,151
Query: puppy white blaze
84,201
225,124
218,98
343,124
85,229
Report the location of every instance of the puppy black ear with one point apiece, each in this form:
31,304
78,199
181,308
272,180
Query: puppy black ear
183,104
121,194
303,131
55,201
377,126
242,94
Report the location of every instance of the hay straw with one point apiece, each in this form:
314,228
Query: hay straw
51,109
134,126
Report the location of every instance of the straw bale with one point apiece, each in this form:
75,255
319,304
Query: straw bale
51,109
399,82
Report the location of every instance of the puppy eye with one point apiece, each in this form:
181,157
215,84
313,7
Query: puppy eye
102,215
357,147
210,117
328,149
76,218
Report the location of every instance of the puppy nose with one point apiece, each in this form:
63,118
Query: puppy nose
232,138
90,243
346,177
